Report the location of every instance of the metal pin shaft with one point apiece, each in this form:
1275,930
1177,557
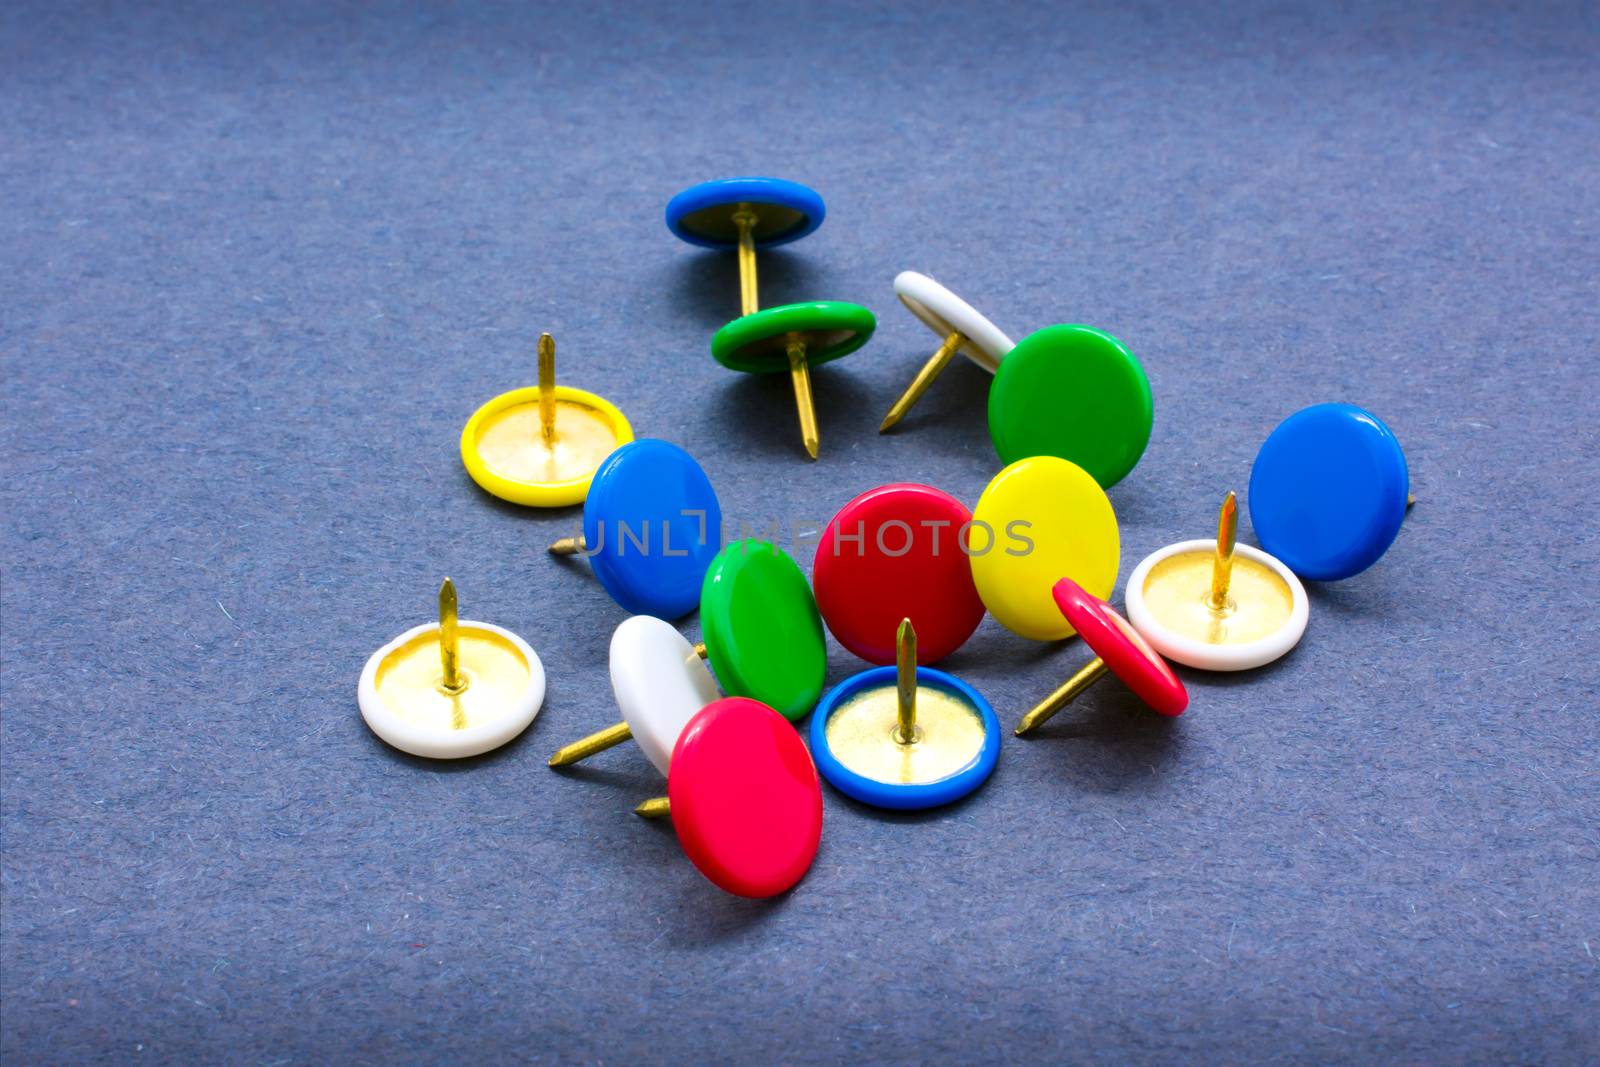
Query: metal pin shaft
905,659
745,218
1227,538
547,389
919,385
1053,703
449,638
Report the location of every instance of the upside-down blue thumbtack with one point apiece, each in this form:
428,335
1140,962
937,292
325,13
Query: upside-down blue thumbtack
905,737
1329,491
651,527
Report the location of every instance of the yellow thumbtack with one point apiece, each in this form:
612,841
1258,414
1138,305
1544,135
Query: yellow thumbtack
540,445
960,325
452,688
1218,606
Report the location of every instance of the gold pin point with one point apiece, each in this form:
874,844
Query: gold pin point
919,385
662,637
800,375
654,808
569,546
1066,694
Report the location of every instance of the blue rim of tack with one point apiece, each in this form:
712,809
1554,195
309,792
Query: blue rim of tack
723,191
894,795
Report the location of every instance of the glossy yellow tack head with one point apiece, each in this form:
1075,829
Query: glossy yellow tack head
1040,520
540,445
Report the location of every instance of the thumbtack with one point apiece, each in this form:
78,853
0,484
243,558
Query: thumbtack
453,688
1073,392
1045,517
959,325
905,737
744,798
763,640
1118,648
794,338
660,681
1329,491
745,213
651,525
896,552
539,445
1219,606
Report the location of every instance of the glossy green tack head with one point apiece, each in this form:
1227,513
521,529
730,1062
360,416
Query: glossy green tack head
1073,392
793,338
762,632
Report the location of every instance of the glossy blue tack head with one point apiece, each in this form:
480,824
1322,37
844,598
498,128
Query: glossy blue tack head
901,796
785,211
651,526
1328,491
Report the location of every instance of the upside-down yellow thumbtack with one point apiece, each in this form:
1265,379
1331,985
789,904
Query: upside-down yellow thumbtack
1218,606
452,688
540,445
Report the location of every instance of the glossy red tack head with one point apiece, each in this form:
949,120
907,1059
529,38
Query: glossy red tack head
892,553
746,800
1125,653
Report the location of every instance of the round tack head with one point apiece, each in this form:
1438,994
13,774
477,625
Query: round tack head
945,313
1328,491
1125,653
759,343
762,631
785,211
403,700
1169,602
955,749
660,683
1073,392
746,801
652,525
1044,517
503,447
892,553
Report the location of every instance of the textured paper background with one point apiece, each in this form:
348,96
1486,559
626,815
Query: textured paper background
260,262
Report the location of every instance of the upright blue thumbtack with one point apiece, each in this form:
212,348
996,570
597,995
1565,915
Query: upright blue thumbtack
651,526
1328,491
905,737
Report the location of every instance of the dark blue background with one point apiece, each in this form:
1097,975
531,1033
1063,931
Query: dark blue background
259,263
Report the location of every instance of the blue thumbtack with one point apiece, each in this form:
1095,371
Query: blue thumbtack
725,213
1328,491
651,527
905,737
